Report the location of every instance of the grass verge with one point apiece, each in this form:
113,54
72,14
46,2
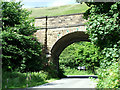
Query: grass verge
24,80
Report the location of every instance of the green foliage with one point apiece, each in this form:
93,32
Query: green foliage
103,26
20,50
111,55
20,80
97,8
104,31
16,19
14,15
108,78
73,71
80,54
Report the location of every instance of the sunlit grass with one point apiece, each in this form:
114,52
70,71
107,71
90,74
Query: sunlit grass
73,71
60,10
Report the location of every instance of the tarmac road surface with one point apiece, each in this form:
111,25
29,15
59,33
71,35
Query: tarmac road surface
77,81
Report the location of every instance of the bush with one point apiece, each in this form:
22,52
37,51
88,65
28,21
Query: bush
21,52
108,78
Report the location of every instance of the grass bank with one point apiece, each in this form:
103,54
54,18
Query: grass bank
23,80
59,10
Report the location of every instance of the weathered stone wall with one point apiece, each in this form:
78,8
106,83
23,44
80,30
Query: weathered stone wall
53,35
60,21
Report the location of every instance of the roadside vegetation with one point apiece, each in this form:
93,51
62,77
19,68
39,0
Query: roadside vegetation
80,54
21,52
73,71
103,28
23,80
60,10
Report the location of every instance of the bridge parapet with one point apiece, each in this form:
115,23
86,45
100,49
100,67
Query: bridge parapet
61,21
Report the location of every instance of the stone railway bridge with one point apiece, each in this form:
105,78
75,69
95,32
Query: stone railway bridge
58,32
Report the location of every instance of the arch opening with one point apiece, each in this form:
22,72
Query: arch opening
78,59
65,41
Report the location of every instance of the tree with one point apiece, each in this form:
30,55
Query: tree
16,19
21,51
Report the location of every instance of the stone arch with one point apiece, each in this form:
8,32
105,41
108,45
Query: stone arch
65,41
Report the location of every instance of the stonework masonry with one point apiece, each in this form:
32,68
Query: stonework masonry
55,34
60,21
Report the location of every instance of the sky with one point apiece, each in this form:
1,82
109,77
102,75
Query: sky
45,3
